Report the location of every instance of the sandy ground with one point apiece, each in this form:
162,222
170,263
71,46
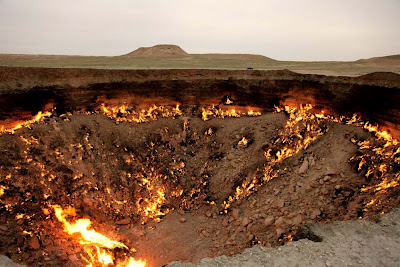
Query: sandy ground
345,243
6,262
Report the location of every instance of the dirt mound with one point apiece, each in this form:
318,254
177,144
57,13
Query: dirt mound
387,79
380,76
158,51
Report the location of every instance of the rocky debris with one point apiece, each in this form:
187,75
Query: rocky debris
205,233
314,183
311,160
304,167
327,178
298,219
88,202
269,221
279,232
34,243
125,221
181,212
245,221
249,237
235,214
315,214
62,255
73,258
331,172
182,220
280,222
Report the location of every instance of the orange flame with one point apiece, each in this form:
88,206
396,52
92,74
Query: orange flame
124,113
385,184
232,111
11,128
96,244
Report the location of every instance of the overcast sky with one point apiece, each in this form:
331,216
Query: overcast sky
281,29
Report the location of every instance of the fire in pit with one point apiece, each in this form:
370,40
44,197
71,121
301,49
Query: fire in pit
117,185
96,246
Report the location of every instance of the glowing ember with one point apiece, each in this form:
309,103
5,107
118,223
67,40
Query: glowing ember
243,142
95,244
2,188
228,101
209,131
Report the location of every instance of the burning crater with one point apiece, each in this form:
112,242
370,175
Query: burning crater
127,181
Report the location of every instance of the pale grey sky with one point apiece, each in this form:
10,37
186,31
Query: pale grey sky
281,29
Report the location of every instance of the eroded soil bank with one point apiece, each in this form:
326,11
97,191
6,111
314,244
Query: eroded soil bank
25,91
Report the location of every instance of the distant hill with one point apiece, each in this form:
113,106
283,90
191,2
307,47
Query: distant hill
163,50
221,56
387,60
168,50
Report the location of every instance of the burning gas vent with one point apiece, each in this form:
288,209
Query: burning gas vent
129,185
